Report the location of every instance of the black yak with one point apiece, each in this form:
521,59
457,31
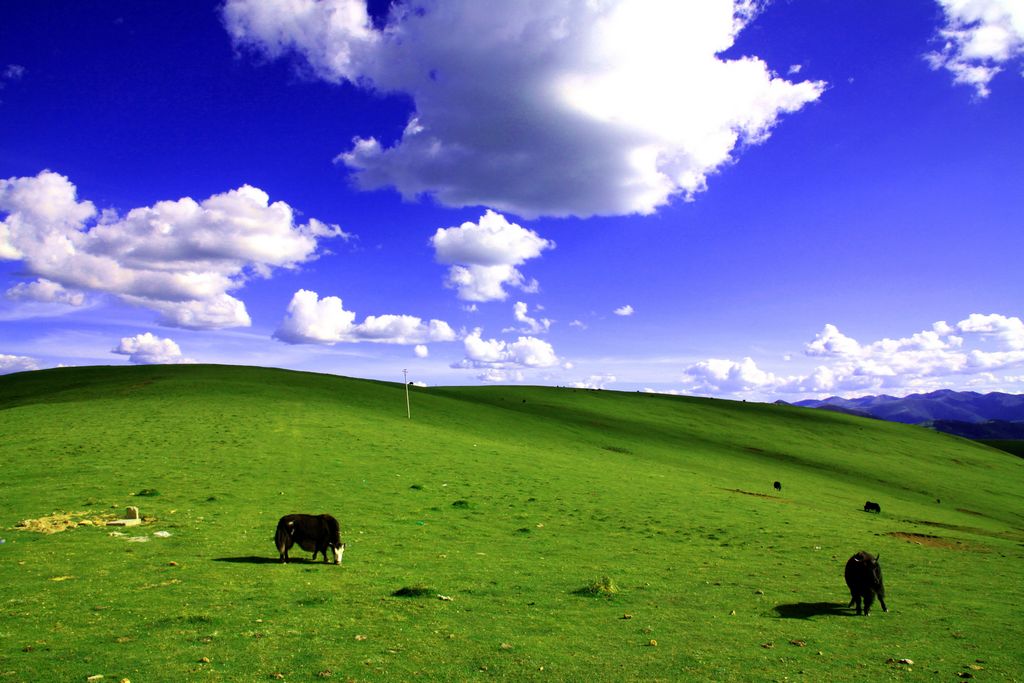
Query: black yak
872,507
313,533
778,486
864,578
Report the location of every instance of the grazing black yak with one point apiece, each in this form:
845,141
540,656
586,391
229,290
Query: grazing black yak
313,533
864,578
778,486
872,507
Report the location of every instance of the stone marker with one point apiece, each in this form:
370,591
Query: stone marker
132,513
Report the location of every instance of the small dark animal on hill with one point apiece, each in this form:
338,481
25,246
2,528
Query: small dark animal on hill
313,533
864,578
872,507
778,486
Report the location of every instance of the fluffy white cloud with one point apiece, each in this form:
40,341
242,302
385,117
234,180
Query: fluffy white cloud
525,352
45,291
312,320
148,349
180,258
626,310
975,347
720,376
575,107
9,364
594,382
532,325
421,351
979,38
495,376
483,256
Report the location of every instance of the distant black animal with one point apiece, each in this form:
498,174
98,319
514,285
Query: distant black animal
778,486
313,533
872,507
864,578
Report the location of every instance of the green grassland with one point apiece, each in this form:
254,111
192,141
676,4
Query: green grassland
581,535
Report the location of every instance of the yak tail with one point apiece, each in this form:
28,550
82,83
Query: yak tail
281,538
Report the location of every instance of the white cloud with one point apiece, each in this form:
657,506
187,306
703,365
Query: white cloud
483,256
180,258
595,382
493,375
578,324
148,349
979,38
312,320
720,376
1009,332
576,107
525,352
10,74
45,291
626,310
533,325
421,351
9,364
971,350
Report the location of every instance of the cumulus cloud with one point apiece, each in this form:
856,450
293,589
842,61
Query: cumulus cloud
531,325
525,352
599,381
312,320
45,291
624,311
974,348
979,38
180,258
148,349
495,376
9,364
483,256
421,351
566,107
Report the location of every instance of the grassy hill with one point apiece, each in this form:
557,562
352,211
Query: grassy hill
521,504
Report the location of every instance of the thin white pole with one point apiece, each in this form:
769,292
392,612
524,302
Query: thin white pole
408,412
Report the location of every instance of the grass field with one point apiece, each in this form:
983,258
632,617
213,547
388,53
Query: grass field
581,535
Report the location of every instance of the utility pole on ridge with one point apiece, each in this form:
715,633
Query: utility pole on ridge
408,412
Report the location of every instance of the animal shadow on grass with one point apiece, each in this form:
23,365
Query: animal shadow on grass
256,559
806,610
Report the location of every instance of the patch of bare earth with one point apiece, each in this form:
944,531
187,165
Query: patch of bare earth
62,521
935,541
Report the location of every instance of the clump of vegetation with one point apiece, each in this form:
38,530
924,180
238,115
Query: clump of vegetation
416,487
147,493
618,449
604,586
524,530
416,591
461,504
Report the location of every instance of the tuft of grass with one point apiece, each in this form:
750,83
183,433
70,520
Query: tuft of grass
618,449
604,586
147,493
461,504
418,590
416,487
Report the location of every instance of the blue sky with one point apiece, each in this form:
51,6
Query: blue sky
748,200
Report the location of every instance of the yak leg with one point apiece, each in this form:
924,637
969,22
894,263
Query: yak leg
881,601
856,599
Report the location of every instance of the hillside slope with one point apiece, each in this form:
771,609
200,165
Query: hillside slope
507,500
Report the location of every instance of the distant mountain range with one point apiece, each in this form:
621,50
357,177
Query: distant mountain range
964,413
